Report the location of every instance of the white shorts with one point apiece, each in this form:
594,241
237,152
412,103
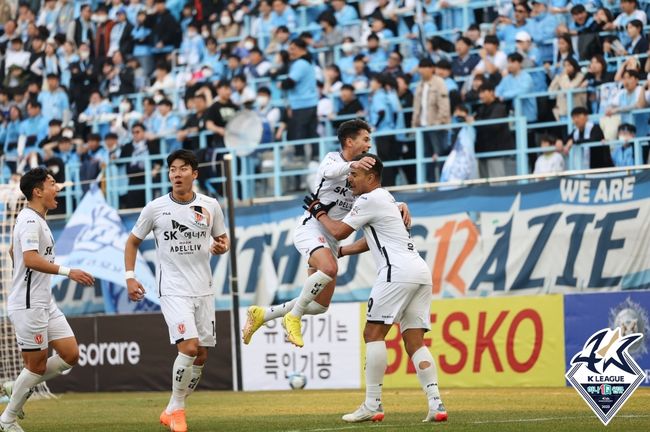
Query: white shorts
308,238
36,327
190,318
407,304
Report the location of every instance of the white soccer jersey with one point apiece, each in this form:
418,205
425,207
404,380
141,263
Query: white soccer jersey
389,241
183,233
332,185
31,289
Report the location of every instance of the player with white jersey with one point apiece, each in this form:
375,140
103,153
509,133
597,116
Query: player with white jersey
401,293
184,225
37,321
313,242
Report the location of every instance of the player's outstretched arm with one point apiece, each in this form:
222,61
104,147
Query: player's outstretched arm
220,245
36,262
359,246
134,287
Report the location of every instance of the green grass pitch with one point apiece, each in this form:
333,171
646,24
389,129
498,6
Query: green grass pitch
520,409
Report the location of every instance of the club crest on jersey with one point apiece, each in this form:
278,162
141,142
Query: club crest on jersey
201,216
181,328
604,373
321,239
38,339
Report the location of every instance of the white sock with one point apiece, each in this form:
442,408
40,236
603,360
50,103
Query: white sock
428,376
277,311
312,287
376,361
315,308
197,371
181,376
55,367
22,390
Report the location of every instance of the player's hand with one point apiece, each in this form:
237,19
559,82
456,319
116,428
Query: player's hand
315,207
81,277
365,163
406,214
135,289
219,246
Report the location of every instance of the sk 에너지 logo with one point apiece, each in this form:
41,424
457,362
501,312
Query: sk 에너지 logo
604,373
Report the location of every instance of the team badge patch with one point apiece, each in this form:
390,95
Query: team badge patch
38,339
181,328
321,239
201,216
604,373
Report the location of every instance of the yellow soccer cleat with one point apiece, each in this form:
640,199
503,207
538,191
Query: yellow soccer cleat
254,320
293,328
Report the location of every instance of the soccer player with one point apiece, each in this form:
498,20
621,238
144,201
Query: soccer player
183,223
313,242
401,293
38,322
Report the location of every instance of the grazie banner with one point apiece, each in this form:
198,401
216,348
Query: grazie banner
486,342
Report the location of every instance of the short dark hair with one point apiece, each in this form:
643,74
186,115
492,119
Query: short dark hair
515,57
377,168
32,179
579,111
486,86
632,73
464,39
265,90
111,135
95,137
491,39
347,87
222,83
299,42
547,138
186,156
577,9
139,125
443,64
426,62
351,128
636,23
373,36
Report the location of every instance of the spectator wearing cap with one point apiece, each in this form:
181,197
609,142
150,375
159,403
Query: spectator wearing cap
507,29
493,137
282,15
192,48
431,107
54,100
303,96
493,62
376,56
121,36
82,29
165,29
465,62
517,83
543,28
623,154
629,11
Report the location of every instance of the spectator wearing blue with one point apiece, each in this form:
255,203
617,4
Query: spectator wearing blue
212,59
376,56
623,154
48,16
629,11
65,151
143,43
344,13
192,48
543,25
360,77
283,15
628,98
517,83
507,29
262,25
452,14
302,95
585,28
93,159
346,60
187,17
133,10
54,100
94,115
233,68
381,116
258,66
464,62
34,127
531,59
12,133
165,124
590,5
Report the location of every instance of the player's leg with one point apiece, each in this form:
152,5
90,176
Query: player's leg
63,341
415,322
326,267
207,332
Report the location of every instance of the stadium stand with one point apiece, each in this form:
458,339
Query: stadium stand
105,90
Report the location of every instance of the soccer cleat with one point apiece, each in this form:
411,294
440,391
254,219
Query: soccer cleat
254,320
165,419
177,422
436,415
7,389
10,427
363,413
292,327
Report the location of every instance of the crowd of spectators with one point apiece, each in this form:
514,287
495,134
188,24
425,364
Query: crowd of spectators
70,71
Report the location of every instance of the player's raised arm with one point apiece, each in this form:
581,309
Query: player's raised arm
34,261
134,287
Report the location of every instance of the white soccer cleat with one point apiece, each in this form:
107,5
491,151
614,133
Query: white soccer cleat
8,389
10,427
436,415
363,413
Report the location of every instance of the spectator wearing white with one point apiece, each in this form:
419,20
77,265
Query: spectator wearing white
257,66
48,16
570,79
66,15
242,94
550,161
16,55
461,163
164,81
493,60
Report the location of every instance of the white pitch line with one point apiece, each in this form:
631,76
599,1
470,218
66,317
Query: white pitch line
543,419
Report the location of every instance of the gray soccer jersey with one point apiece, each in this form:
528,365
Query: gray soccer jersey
389,241
30,289
183,232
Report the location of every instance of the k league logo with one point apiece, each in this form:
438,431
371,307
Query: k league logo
604,373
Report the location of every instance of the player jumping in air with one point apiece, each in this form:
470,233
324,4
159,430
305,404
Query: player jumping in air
183,224
401,293
38,322
313,242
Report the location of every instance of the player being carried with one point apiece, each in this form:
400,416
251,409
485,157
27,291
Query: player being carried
183,224
313,242
38,322
401,293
